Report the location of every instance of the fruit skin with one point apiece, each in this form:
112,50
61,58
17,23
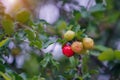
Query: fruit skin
69,35
88,43
67,51
77,47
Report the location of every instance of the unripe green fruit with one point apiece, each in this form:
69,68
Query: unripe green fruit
77,47
69,35
88,43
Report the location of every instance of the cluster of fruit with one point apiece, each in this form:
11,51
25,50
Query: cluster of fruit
77,46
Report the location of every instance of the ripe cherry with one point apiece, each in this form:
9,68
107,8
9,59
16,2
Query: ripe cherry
67,51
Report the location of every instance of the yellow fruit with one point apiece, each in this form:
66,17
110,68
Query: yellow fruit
69,35
88,43
77,47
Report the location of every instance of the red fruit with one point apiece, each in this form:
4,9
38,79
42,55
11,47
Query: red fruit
67,51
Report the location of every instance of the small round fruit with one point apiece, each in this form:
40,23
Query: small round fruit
67,51
88,43
69,35
77,47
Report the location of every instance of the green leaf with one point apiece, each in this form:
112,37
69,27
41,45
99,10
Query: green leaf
55,63
49,42
36,43
40,27
11,74
77,28
113,18
61,25
99,15
72,61
86,76
100,47
5,76
61,77
23,16
30,34
99,1
46,60
97,7
94,71
3,42
77,15
85,60
31,65
2,67
62,41
30,22
80,78
109,4
8,26
1,35
117,54
107,55
84,13
79,34
44,63
37,78
23,75
17,77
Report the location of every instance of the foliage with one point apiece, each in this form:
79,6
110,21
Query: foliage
96,22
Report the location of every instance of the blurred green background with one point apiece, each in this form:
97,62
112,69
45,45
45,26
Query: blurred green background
28,27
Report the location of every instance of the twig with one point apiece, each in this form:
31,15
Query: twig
79,67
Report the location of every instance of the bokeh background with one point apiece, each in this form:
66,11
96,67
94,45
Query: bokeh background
99,18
